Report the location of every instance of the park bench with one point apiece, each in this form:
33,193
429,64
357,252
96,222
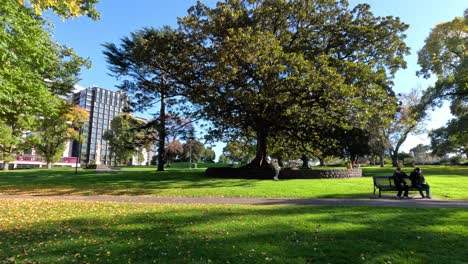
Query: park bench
385,183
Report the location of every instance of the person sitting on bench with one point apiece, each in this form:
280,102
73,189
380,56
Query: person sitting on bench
400,184
418,182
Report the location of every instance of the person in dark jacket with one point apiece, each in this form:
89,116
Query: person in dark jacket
418,182
399,180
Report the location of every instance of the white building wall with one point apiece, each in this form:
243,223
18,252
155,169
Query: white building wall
144,162
67,152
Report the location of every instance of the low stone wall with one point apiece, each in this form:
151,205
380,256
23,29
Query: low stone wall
319,174
244,173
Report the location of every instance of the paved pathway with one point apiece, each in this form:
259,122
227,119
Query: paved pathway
385,201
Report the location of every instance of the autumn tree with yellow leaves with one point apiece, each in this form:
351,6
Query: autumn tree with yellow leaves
54,130
65,8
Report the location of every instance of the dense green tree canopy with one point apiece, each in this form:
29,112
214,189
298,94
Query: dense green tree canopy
445,56
239,151
275,66
27,54
453,138
209,155
193,150
32,69
126,138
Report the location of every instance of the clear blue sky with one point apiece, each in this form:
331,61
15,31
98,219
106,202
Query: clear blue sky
119,18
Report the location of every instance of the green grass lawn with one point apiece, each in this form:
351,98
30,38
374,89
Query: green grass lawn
46,231
447,182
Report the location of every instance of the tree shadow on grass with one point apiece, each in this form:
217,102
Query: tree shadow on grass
126,182
245,235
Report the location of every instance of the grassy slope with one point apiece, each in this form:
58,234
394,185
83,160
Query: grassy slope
446,183
91,232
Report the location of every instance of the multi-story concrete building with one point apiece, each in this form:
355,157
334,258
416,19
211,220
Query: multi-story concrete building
102,105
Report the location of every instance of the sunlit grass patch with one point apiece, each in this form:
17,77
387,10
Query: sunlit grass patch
95,232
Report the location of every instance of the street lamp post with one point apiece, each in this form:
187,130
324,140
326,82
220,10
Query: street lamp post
190,151
79,151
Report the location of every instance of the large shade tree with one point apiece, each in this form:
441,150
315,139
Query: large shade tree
445,56
32,68
147,62
263,67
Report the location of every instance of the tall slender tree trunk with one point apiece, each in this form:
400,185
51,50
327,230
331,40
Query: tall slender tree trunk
305,161
162,134
6,165
260,159
382,163
394,156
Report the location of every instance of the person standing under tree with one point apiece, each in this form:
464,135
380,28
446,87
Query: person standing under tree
400,183
418,182
276,167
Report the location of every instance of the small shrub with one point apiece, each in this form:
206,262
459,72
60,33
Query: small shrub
455,160
154,160
409,162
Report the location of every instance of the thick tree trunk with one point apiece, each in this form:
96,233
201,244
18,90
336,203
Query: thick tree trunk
394,156
382,162
49,165
6,165
260,159
322,161
162,134
394,160
305,161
